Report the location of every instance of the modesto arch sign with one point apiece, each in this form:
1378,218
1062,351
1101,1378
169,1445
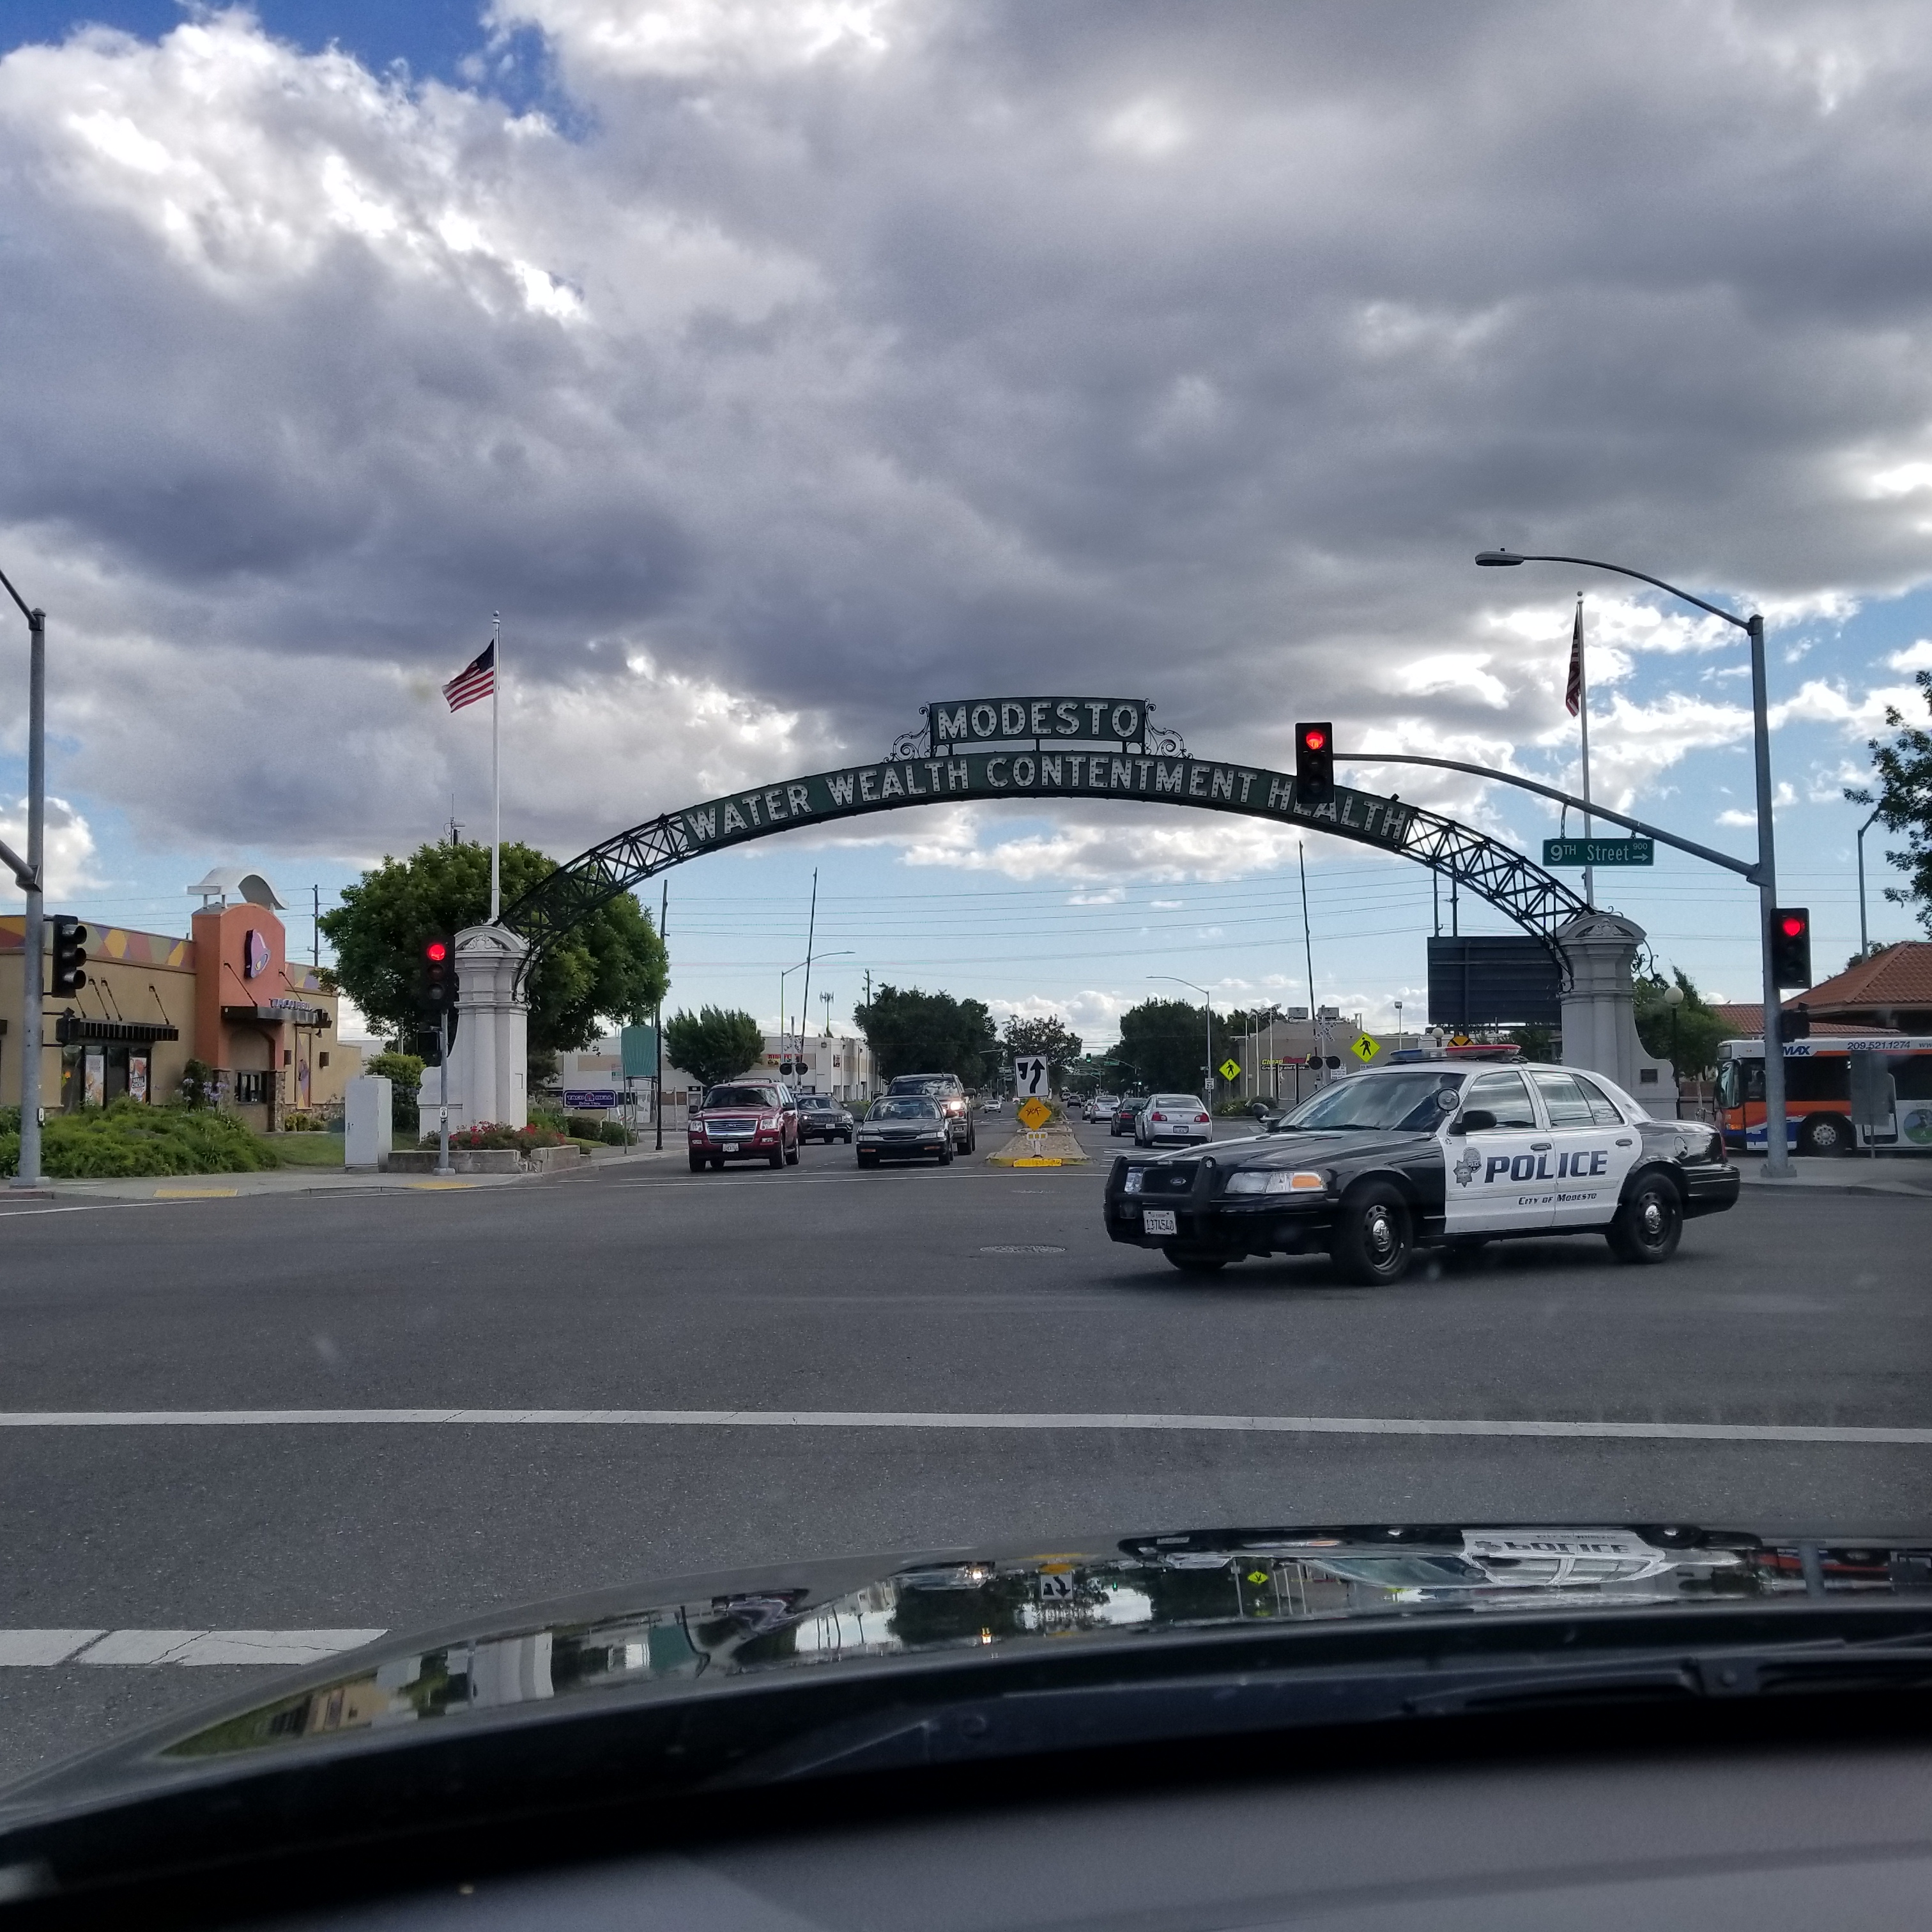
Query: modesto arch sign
971,749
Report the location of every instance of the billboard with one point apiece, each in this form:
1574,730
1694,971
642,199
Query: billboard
1493,980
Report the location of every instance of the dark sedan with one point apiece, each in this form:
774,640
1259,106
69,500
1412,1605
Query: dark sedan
904,1127
1126,1113
1434,1154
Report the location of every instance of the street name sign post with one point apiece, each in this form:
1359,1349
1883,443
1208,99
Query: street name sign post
1600,851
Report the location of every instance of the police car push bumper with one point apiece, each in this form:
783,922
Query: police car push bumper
1583,1158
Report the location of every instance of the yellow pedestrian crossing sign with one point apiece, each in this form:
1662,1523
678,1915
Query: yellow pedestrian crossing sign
1364,1047
1231,1068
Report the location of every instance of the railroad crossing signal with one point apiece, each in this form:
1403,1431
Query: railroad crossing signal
1365,1047
70,951
1031,1074
1034,1114
1231,1068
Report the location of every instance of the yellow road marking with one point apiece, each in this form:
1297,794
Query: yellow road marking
196,1193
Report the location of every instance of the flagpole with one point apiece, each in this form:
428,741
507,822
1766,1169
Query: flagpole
1583,718
495,772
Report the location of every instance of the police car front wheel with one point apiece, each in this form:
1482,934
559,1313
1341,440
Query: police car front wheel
1649,1223
1374,1240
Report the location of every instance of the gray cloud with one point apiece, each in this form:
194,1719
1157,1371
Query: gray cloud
844,356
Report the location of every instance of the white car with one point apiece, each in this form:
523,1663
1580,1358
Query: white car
1100,1107
1173,1117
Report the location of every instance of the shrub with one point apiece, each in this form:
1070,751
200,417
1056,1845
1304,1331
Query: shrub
546,1114
493,1135
130,1137
595,1128
404,1073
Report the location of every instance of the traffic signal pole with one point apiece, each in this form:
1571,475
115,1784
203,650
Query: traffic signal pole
34,889
1777,1154
442,1166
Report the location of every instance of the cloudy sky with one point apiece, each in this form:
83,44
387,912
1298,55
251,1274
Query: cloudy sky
775,366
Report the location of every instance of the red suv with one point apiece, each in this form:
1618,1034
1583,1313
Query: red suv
744,1120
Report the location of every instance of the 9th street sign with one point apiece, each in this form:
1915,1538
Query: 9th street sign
1600,852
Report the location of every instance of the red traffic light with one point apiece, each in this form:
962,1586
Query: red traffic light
1791,925
1315,738
436,950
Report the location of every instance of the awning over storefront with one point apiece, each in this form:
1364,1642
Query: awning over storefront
71,1029
293,1016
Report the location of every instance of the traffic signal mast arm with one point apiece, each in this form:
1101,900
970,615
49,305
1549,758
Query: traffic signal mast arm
23,873
1743,869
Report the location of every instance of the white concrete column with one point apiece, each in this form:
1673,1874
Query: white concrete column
1599,1009
489,1064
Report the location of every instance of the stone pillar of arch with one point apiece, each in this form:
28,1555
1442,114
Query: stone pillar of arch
489,1062
1600,1009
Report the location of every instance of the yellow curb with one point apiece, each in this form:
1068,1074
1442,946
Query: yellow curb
419,1186
196,1193
1043,1160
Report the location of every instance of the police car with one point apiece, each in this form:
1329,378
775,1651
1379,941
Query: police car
1431,1153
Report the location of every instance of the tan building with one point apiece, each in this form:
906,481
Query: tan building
228,995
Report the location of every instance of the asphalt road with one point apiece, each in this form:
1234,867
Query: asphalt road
819,1288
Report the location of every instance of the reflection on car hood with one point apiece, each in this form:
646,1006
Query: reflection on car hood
1306,1150
1137,1589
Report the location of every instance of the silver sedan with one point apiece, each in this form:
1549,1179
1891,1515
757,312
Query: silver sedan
1173,1117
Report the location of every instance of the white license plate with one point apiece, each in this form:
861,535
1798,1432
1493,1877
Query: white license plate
729,1147
1158,1220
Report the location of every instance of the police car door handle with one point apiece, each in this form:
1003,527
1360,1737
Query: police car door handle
1541,1146
1626,1143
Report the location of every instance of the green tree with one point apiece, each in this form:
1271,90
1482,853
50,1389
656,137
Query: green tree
1167,1039
1687,1035
611,967
404,1073
1905,803
1048,1038
913,1032
712,1045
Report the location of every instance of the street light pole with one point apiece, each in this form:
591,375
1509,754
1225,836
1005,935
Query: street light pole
1865,939
32,880
1208,1005
1764,873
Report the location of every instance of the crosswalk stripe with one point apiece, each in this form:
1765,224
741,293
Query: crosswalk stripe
1826,1433
43,1647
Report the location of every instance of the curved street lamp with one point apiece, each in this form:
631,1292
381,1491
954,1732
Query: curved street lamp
1208,1001
1777,1155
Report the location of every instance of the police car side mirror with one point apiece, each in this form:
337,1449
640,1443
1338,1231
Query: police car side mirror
1477,1120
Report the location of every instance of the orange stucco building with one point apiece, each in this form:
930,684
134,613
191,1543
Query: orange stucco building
228,996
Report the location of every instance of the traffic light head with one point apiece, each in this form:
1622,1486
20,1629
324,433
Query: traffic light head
1314,763
1791,946
70,954
438,972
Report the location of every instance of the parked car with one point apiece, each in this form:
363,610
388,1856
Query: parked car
1172,1117
1126,1114
821,1118
744,1120
905,1126
946,1092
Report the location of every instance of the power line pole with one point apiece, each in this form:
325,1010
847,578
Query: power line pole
32,876
657,1017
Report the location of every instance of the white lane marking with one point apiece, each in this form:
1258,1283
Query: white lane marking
941,1419
44,1646
178,1646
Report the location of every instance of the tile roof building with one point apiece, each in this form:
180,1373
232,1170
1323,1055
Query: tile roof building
1889,992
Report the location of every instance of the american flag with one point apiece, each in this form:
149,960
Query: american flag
478,678
1572,692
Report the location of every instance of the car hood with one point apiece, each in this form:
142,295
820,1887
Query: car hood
924,1126
818,1622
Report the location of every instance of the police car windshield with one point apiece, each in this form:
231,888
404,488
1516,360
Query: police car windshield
1375,1102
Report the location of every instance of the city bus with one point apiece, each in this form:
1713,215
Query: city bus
1853,1094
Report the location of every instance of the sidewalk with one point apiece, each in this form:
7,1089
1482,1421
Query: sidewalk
292,1181
1850,1173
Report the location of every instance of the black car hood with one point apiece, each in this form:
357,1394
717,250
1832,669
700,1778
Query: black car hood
817,1622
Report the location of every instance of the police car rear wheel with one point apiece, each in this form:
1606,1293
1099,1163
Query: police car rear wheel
1649,1224
1373,1241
